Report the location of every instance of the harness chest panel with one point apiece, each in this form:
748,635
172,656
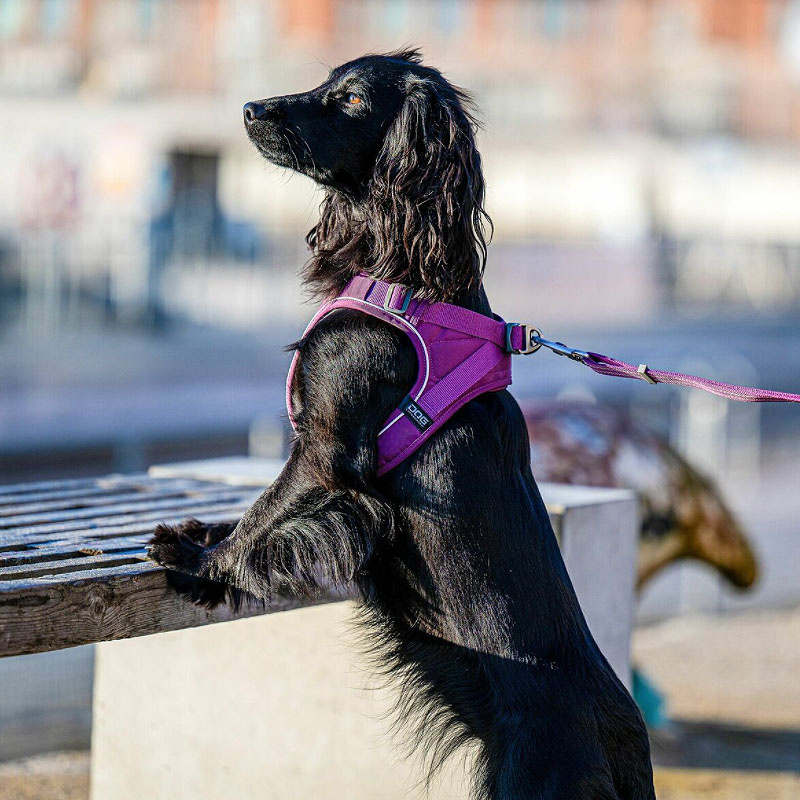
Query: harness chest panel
460,355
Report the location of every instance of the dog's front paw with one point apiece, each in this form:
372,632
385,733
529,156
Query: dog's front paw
203,592
173,547
180,548
206,534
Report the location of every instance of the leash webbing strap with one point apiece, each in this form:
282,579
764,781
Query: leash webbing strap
604,365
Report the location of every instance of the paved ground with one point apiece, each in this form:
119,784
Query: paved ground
734,701
61,776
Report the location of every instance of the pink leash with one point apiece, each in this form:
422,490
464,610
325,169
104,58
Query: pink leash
604,365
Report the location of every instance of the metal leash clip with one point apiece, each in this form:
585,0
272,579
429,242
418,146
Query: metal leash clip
559,348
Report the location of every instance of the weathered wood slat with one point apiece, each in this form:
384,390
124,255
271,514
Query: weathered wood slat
106,483
17,585
72,565
75,530
105,536
146,504
21,488
46,502
85,548
129,487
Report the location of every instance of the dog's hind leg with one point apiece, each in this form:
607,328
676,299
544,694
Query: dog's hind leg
630,763
526,762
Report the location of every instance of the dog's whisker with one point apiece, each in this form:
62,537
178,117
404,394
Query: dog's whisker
290,149
308,149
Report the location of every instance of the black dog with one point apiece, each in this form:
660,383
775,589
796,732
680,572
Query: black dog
463,587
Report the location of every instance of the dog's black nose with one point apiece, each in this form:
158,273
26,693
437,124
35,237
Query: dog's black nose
252,112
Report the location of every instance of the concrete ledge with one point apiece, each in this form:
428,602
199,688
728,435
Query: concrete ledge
282,706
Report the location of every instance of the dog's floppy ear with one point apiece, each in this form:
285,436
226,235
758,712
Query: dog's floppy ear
426,215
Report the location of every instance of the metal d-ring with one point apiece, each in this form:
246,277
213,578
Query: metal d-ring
530,335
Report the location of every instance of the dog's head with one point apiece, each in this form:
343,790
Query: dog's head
393,143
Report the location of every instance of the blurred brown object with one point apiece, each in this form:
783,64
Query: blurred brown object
683,512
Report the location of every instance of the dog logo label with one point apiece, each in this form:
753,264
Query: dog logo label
419,417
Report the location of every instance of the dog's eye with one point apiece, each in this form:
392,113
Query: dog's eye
353,99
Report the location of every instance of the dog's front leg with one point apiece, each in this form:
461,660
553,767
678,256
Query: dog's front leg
316,526
180,548
297,537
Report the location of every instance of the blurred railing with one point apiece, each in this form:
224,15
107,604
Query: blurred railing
51,281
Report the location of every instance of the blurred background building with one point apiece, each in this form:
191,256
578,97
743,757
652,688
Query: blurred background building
653,138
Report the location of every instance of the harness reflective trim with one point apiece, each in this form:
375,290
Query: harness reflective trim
460,355
411,329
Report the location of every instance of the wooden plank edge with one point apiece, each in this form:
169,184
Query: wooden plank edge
42,618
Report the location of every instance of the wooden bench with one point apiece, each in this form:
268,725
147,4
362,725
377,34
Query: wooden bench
73,571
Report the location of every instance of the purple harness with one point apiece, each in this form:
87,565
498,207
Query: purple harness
462,354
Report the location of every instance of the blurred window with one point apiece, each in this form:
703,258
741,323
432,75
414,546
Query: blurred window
195,211
57,17
147,17
11,17
310,16
554,18
741,21
188,224
451,17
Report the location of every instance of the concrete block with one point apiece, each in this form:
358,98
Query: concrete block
284,706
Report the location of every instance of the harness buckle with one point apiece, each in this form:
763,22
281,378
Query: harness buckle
531,346
390,296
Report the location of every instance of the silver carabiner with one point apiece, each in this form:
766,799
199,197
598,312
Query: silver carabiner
560,349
